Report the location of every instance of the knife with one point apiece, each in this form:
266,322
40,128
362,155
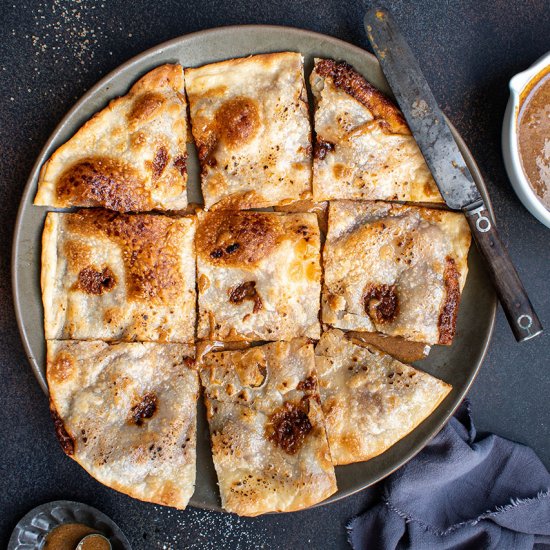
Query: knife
453,178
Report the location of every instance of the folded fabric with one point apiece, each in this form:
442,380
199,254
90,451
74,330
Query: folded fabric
461,493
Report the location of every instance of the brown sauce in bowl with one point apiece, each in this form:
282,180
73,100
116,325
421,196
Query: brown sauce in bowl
534,137
67,536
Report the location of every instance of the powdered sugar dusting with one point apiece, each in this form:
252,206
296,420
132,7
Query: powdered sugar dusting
66,32
208,529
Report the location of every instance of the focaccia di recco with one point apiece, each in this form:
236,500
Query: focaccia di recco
394,269
268,434
250,122
110,276
127,414
364,148
289,395
129,157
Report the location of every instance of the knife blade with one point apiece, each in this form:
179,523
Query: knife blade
451,174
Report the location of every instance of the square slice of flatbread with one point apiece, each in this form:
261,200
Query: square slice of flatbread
111,276
395,269
127,414
364,148
250,122
370,400
129,157
259,275
268,435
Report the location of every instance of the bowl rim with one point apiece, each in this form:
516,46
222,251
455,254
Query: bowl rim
512,160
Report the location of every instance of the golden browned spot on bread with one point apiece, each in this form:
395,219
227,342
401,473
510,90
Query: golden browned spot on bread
347,79
235,123
159,162
449,311
152,264
321,148
180,162
236,238
340,170
381,302
144,107
246,291
78,254
288,427
100,181
238,121
349,443
143,410
65,439
251,368
94,281
62,367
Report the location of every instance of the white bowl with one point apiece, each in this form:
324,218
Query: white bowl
510,142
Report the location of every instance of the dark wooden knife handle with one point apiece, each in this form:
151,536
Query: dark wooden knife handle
518,309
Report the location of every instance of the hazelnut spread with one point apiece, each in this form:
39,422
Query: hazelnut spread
534,137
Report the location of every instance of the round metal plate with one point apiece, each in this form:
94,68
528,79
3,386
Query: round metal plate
457,364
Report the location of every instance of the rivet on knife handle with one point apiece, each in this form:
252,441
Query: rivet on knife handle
454,180
518,309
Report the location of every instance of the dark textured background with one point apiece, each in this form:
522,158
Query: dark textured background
52,52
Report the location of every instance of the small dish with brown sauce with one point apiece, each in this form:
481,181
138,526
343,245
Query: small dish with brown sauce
526,138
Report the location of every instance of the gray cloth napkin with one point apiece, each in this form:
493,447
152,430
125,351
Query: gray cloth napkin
462,493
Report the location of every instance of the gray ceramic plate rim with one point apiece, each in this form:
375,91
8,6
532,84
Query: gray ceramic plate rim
141,59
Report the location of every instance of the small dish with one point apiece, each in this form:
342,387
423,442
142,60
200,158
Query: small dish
31,531
510,147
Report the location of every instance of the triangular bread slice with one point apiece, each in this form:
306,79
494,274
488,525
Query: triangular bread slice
127,414
370,400
364,148
131,156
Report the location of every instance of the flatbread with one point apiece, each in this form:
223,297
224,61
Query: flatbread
127,414
259,275
364,148
113,276
131,156
394,269
268,436
370,400
250,122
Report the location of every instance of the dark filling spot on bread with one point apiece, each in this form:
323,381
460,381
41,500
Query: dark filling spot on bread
159,162
449,311
307,385
321,148
246,291
288,427
145,409
66,441
381,303
96,282
180,163
237,238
